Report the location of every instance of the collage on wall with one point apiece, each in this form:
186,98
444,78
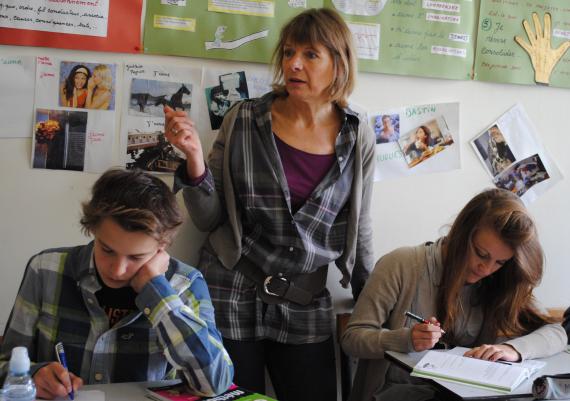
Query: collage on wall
74,117
416,140
76,103
514,157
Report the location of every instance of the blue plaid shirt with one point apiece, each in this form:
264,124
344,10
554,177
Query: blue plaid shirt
174,328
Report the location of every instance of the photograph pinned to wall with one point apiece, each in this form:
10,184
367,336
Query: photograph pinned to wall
150,151
442,153
387,128
522,176
514,137
59,139
425,141
87,85
149,96
150,88
89,149
493,150
230,88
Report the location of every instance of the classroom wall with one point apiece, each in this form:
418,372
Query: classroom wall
40,208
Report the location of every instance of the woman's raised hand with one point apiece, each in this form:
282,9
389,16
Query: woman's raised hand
181,132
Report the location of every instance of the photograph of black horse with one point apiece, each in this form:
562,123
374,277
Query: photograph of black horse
149,96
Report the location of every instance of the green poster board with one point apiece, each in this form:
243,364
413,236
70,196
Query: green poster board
185,30
453,39
405,41
422,38
500,59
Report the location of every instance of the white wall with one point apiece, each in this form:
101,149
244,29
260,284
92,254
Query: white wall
40,208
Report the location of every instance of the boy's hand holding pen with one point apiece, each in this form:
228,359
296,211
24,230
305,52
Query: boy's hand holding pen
425,334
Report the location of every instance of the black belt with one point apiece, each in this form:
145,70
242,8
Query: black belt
274,289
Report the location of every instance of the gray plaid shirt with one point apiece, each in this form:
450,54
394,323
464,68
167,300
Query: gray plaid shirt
273,238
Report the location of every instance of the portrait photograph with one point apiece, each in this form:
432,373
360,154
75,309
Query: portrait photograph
232,88
425,141
523,175
493,150
386,128
148,97
59,139
85,85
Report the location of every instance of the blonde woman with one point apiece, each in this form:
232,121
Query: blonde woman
99,88
291,175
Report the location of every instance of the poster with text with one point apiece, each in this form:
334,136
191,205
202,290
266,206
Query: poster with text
245,30
74,116
425,37
147,89
416,140
101,25
499,58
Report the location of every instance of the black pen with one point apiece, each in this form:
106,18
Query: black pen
421,320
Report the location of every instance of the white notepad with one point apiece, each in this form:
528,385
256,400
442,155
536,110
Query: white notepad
502,377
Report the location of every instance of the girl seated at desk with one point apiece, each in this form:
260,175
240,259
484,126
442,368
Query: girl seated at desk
477,280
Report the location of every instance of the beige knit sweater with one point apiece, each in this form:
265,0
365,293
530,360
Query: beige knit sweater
407,279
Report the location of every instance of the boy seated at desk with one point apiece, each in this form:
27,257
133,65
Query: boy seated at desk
122,307
478,281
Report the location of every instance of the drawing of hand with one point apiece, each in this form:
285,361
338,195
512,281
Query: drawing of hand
542,56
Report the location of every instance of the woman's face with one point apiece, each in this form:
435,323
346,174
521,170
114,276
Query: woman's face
79,80
97,77
420,133
308,71
489,254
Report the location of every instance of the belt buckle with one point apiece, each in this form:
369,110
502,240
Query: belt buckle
268,280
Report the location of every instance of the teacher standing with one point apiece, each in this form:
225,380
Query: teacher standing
285,191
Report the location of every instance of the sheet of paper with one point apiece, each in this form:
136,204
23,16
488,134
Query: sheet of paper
396,133
17,78
148,88
514,157
81,18
72,129
101,25
89,395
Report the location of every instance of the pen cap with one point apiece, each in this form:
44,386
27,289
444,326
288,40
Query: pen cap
19,361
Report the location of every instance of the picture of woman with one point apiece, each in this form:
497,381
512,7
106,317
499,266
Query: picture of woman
423,141
74,88
99,88
499,152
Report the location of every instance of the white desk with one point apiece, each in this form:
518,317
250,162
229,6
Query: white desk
125,391
559,363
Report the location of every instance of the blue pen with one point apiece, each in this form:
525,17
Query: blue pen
60,353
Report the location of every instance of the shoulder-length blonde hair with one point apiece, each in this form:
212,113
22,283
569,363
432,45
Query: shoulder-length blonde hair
106,76
506,295
325,27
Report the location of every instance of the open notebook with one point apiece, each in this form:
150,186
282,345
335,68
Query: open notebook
452,366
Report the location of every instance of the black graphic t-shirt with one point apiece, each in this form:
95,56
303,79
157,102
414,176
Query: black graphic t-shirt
116,302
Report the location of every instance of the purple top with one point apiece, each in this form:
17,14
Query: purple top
303,171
